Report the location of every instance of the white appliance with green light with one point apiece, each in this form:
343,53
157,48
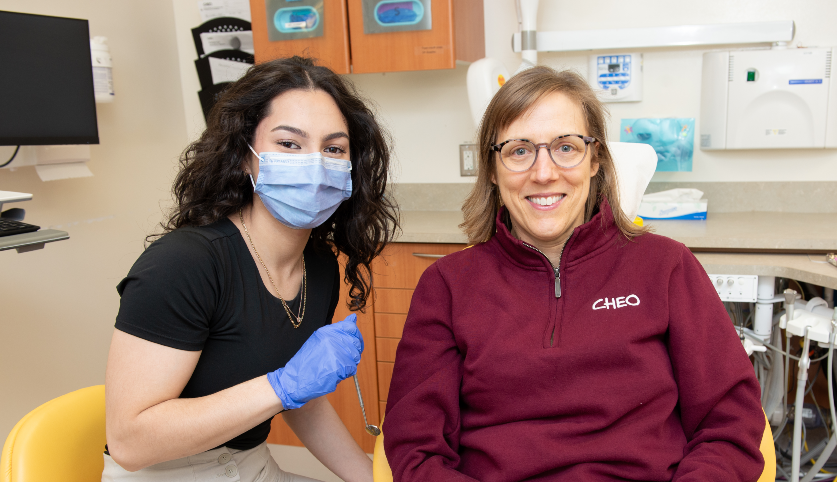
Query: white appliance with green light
777,98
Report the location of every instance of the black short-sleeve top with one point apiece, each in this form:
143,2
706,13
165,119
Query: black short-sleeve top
198,289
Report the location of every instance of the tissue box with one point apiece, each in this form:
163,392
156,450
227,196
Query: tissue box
672,210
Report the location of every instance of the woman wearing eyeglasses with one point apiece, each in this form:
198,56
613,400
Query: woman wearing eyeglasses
226,319
567,343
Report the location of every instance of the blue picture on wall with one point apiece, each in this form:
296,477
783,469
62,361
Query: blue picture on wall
672,138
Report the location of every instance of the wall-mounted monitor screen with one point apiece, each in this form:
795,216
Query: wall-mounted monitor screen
46,81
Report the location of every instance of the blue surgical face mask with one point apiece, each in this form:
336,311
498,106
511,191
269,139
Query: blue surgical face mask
302,190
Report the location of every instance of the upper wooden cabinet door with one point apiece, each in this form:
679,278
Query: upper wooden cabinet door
457,33
331,49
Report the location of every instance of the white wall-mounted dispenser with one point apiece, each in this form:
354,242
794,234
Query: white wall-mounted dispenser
779,98
616,77
102,69
54,162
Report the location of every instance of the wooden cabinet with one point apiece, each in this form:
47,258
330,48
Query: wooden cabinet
457,32
331,49
396,273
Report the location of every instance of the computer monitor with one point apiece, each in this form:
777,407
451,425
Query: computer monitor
46,81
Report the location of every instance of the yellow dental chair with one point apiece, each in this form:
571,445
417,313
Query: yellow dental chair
62,440
382,473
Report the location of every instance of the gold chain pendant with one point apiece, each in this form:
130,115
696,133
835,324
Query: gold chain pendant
295,322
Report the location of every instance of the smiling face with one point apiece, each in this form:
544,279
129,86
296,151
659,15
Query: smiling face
301,122
546,202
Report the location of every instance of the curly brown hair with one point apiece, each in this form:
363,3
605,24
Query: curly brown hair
211,184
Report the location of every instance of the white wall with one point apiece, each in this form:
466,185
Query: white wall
672,76
187,17
427,112
58,305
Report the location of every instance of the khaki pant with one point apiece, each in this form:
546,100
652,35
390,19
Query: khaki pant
217,465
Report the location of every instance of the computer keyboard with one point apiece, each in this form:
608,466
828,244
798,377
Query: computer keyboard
9,227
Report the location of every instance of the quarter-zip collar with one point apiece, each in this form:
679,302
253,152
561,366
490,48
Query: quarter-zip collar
555,268
587,239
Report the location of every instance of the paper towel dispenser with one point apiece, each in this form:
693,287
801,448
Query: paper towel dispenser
775,98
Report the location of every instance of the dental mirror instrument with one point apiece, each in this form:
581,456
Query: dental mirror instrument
370,429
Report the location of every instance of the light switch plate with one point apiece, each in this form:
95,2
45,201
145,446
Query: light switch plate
468,159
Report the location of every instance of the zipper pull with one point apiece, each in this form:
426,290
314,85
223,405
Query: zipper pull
557,283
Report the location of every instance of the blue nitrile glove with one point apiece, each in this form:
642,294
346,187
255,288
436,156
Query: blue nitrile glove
330,355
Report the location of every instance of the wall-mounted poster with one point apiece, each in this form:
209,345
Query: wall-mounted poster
294,19
672,138
380,16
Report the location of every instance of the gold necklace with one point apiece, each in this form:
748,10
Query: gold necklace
301,313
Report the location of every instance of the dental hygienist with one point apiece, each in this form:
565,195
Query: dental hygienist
225,320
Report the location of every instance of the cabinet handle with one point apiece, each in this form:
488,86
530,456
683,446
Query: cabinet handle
423,255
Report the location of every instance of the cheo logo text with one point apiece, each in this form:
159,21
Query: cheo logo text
620,302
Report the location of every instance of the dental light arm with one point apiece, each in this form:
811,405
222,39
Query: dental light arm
527,17
486,76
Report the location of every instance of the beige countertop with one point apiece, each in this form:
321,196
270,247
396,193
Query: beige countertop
431,227
753,231
795,239
799,232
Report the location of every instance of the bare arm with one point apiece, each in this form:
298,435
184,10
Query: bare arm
146,421
324,434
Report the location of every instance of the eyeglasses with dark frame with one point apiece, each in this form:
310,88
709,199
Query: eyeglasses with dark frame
566,151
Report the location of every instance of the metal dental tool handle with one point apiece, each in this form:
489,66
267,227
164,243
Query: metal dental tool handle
370,429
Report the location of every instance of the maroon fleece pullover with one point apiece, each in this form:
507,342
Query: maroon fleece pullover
626,367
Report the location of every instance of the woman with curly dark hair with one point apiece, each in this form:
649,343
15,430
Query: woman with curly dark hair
225,320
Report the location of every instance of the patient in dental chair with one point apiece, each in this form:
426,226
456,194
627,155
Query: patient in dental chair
568,343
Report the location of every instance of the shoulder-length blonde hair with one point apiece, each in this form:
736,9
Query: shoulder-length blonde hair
515,99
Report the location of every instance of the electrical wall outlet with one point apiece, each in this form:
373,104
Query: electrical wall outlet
468,159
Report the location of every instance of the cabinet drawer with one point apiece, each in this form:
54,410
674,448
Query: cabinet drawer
401,264
388,300
389,325
386,348
384,378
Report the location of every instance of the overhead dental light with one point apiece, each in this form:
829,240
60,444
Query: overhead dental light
486,76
